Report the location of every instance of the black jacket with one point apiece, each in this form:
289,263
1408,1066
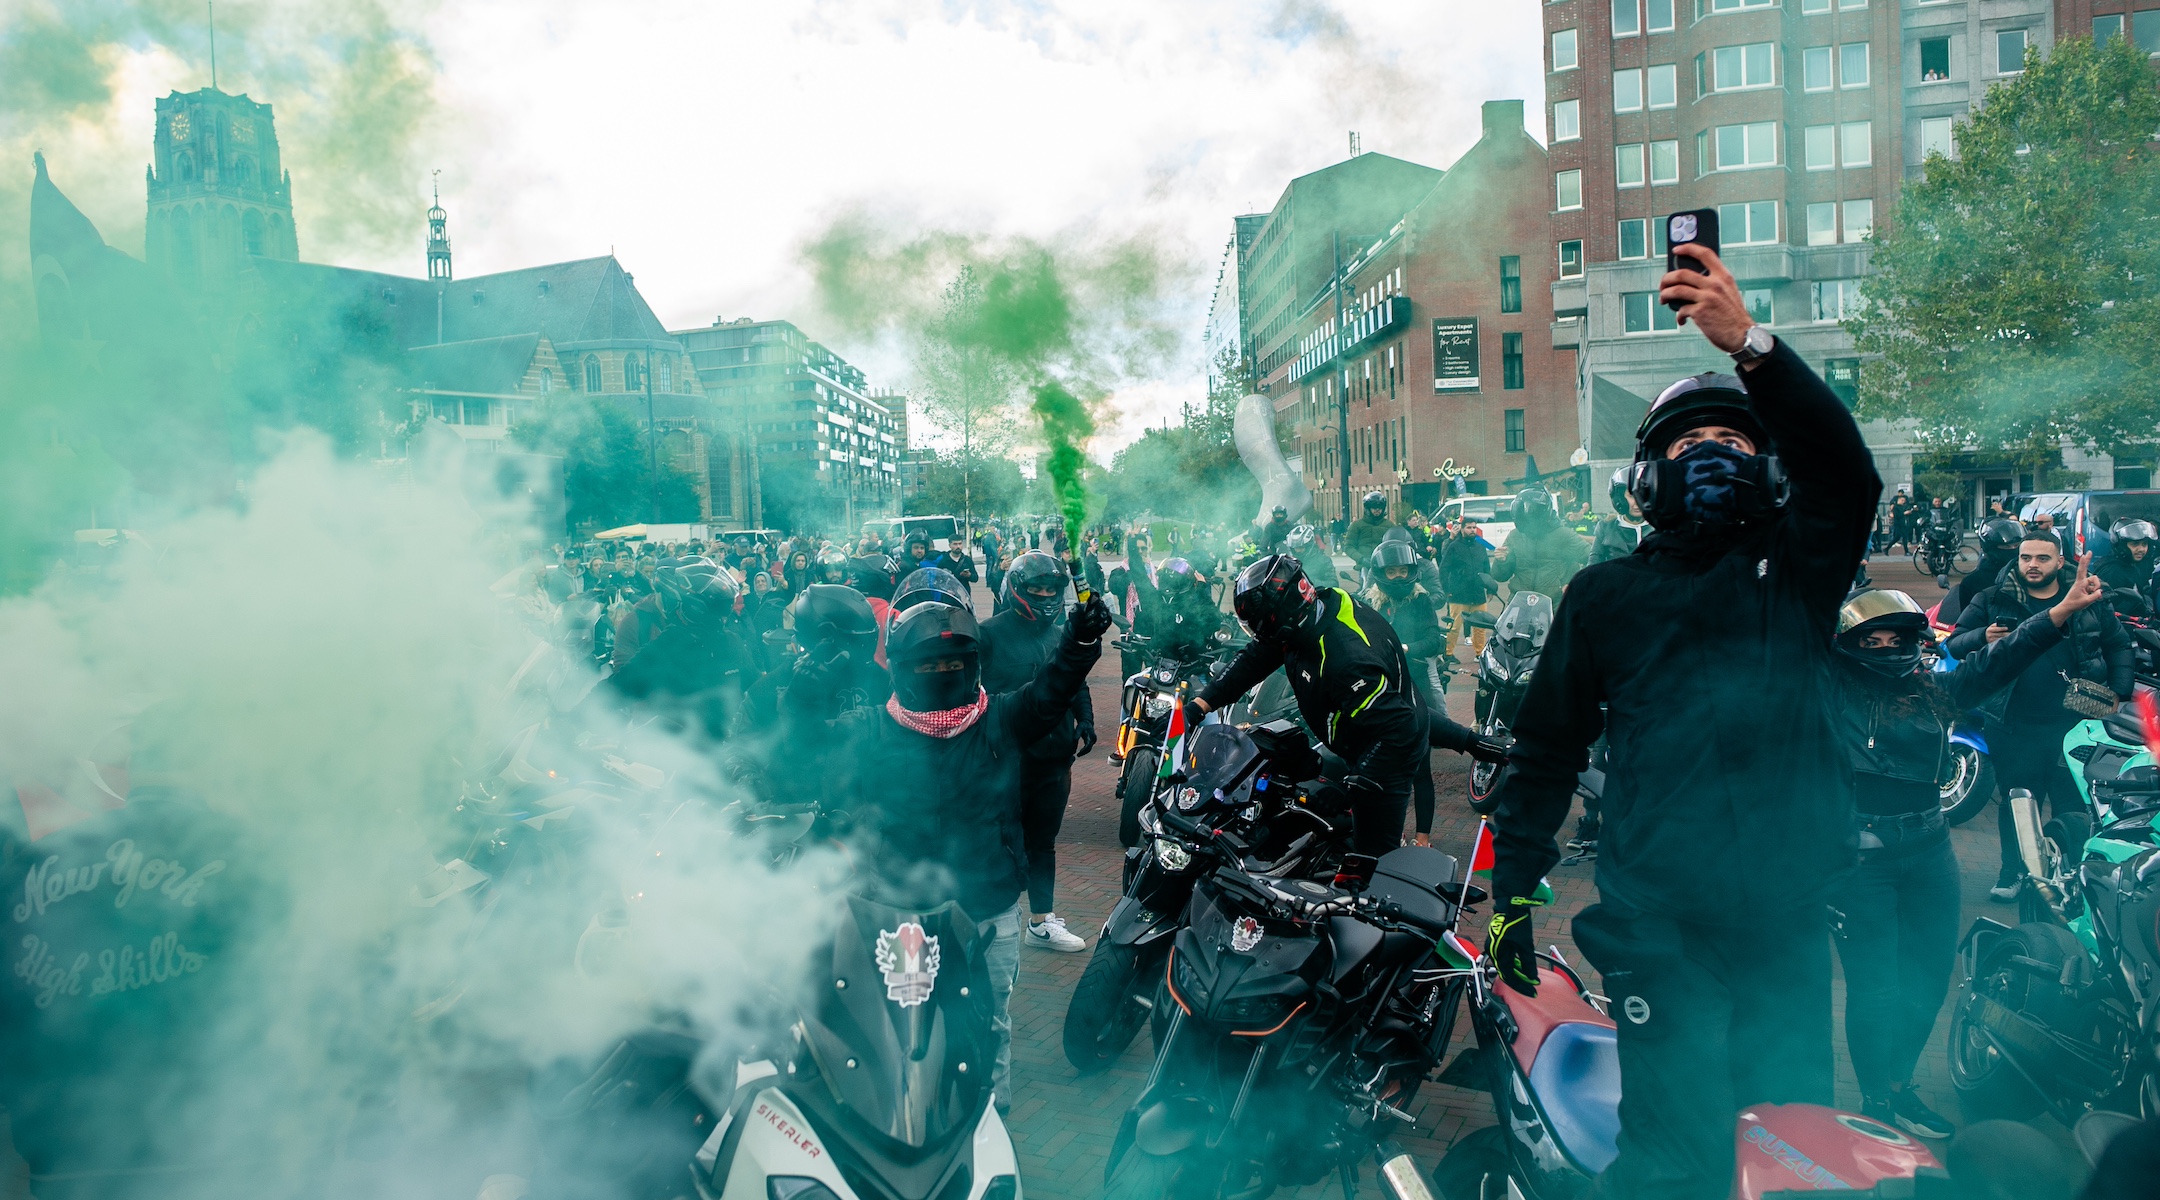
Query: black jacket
1351,678
2119,571
1989,573
692,673
939,818
2097,648
1728,795
1014,651
1540,560
1465,568
1415,622
1896,732
1364,533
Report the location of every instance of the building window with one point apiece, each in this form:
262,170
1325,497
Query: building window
1571,260
1812,7
1661,15
592,373
1665,86
1857,139
2107,27
1725,6
1665,162
1935,136
1815,69
666,382
1822,224
1819,147
1512,422
1836,299
251,232
1935,59
1626,18
1563,50
1635,238
631,380
1743,146
1567,120
2145,30
1641,312
1859,220
1627,90
1750,224
547,381
1628,165
1852,65
1511,361
1567,185
1510,283
1758,304
2010,51
1736,68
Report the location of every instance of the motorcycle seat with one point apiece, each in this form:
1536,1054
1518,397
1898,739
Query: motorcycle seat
2122,725
1576,1080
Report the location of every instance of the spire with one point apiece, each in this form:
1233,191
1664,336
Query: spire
213,45
438,241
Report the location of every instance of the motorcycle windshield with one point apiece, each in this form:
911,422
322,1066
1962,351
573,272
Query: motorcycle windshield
900,1027
1524,624
1218,759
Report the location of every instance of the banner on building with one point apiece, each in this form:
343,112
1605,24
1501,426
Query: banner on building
1455,354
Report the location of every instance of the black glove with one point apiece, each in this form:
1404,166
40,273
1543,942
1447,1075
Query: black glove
814,674
1091,620
1087,739
1491,749
1193,713
1508,939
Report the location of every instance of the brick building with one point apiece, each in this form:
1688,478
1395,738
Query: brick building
1442,348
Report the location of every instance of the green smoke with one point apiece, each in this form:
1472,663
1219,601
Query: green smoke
1066,425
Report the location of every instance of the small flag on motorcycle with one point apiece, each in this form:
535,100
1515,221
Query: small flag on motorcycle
1173,741
2149,720
1481,859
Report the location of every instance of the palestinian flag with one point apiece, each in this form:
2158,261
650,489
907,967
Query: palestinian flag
1173,743
1481,855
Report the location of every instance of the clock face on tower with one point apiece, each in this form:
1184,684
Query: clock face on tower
180,127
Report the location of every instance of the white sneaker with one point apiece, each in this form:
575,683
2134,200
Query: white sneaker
1050,934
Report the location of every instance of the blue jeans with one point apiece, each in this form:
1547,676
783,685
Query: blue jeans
1001,957
1898,941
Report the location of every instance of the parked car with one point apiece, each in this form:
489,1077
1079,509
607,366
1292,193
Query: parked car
2084,518
1495,515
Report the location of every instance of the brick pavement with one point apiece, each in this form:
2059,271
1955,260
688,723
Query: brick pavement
1063,1124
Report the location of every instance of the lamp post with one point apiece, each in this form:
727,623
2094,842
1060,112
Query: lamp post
652,443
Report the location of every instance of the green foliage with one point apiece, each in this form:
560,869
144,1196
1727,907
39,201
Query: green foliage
607,468
2017,299
1189,470
997,488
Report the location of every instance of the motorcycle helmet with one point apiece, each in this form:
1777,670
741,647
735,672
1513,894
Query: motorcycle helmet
873,575
1301,538
1534,510
1882,609
935,652
1616,491
707,590
1395,533
2001,536
2133,529
1035,586
1375,504
1176,577
831,566
915,537
830,618
1659,484
931,583
1279,514
1273,599
1394,569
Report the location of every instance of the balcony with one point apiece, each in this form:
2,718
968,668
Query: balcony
1381,319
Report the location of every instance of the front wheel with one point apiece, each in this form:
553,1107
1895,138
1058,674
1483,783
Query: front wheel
1103,1015
1966,561
2021,972
1971,784
1139,786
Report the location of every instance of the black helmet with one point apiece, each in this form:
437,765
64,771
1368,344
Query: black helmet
830,618
707,591
1375,503
1390,553
1274,599
873,575
1873,609
1395,533
1660,485
1706,399
1035,585
2001,535
1617,491
831,566
1176,577
1279,513
930,583
1534,509
916,537
934,632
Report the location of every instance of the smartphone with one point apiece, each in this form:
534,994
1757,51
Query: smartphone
1697,226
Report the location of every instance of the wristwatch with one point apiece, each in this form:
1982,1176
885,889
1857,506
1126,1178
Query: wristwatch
1756,344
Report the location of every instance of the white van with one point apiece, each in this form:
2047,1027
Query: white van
1494,515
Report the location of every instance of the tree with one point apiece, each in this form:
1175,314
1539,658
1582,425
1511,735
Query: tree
967,385
1191,469
994,487
607,471
2017,300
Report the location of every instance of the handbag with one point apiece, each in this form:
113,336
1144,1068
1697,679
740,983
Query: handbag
2088,699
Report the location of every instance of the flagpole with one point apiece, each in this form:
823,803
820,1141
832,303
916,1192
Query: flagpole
1475,846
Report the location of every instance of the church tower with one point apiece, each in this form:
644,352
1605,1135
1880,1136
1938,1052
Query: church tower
219,195
438,239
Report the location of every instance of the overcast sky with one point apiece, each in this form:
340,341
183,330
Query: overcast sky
705,142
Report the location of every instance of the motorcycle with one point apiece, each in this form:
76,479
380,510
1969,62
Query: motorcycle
1940,551
882,1087
1150,695
1296,825
1551,1063
1972,770
2058,1013
1504,670
1298,1017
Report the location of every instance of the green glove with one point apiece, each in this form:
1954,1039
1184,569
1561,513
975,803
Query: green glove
1508,940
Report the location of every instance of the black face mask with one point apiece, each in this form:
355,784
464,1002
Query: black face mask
1890,662
1710,474
1397,589
936,691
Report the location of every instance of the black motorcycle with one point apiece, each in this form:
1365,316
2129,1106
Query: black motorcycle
1504,670
1937,553
1298,1018
1295,825
1151,695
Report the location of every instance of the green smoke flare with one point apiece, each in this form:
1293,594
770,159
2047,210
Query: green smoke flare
1066,423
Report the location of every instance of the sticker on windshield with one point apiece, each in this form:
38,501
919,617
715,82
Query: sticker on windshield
909,959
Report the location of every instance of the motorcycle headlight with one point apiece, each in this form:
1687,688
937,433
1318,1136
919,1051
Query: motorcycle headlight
1256,1012
1187,982
1171,855
1159,705
1498,668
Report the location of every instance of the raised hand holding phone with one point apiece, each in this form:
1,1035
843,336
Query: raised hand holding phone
1708,296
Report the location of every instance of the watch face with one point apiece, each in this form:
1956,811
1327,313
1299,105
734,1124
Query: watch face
179,127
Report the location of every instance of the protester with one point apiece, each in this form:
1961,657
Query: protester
1541,555
1705,657
1395,594
1999,540
1618,535
1304,545
1364,534
1902,511
2129,563
1466,576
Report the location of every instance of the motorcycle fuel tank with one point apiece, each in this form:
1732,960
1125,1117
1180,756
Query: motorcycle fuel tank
1806,1147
